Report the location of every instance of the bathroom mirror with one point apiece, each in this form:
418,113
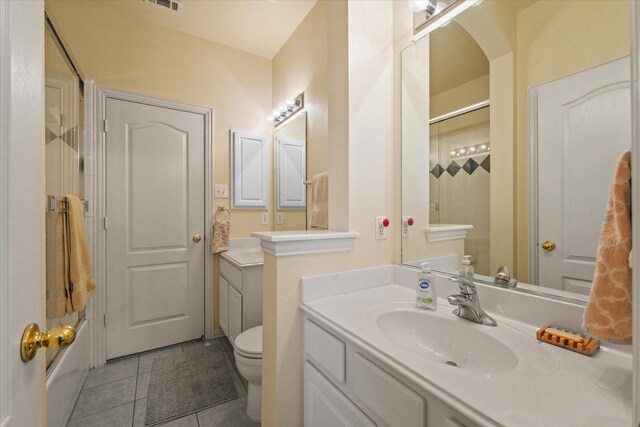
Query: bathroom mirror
514,115
290,174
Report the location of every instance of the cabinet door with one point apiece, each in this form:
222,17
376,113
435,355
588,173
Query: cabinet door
325,405
235,314
223,304
249,170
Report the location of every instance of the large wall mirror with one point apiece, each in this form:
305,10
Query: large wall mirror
514,115
290,174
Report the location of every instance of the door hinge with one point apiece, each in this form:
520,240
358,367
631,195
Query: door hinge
105,223
105,320
104,124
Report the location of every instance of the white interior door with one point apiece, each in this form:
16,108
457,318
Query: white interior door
21,208
583,126
155,213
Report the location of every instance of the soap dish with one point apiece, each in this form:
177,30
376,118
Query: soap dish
569,340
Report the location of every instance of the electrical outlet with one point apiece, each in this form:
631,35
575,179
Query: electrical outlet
264,218
221,191
280,218
407,222
382,224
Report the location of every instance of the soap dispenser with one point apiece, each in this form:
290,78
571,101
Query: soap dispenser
426,293
467,268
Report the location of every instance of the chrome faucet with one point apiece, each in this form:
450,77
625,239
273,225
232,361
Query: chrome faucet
468,304
503,278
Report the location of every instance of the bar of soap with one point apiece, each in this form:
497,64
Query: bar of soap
564,334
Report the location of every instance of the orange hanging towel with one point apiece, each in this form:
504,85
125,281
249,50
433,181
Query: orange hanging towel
608,315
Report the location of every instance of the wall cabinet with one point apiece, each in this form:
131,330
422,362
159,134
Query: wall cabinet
239,298
249,170
370,394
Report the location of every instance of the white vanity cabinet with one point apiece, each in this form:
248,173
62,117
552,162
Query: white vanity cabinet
239,296
345,386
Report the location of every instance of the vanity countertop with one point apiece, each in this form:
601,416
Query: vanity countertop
543,385
241,258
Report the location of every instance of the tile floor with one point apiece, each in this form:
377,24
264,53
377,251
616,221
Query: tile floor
115,395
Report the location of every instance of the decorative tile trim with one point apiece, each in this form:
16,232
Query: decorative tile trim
470,166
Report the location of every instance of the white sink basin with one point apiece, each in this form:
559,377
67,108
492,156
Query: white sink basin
461,345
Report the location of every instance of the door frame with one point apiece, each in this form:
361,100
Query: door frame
94,124
533,185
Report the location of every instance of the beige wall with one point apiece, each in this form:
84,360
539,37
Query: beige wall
466,94
557,38
301,65
370,151
416,147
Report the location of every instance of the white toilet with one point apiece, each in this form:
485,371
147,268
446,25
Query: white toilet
248,352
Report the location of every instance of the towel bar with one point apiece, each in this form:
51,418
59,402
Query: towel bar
222,209
52,204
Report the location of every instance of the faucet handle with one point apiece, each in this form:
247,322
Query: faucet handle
467,287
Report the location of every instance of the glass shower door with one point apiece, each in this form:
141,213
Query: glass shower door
63,154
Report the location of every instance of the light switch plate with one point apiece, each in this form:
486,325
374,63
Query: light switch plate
264,218
221,191
280,218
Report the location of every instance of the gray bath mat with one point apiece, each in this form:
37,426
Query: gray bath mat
187,382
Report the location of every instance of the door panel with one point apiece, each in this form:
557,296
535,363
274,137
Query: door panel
158,166
235,314
169,280
583,126
292,159
249,171
155,205
223,304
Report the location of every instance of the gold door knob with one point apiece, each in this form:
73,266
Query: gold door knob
548,246
55,339
197,238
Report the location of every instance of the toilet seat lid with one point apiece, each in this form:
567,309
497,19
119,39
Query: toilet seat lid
250,341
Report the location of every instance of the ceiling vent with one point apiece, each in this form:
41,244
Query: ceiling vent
172,5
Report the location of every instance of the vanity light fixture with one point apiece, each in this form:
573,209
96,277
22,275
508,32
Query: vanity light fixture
440,17
286,110
471,150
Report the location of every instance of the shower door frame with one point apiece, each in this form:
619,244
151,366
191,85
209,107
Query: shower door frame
95,115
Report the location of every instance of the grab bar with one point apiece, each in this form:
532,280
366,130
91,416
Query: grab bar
52,204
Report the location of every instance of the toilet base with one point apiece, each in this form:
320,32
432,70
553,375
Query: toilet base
254,402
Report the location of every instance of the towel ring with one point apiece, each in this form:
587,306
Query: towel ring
222,209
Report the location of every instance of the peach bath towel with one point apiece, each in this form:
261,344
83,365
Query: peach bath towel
220,238
73,281
608,315
320,201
